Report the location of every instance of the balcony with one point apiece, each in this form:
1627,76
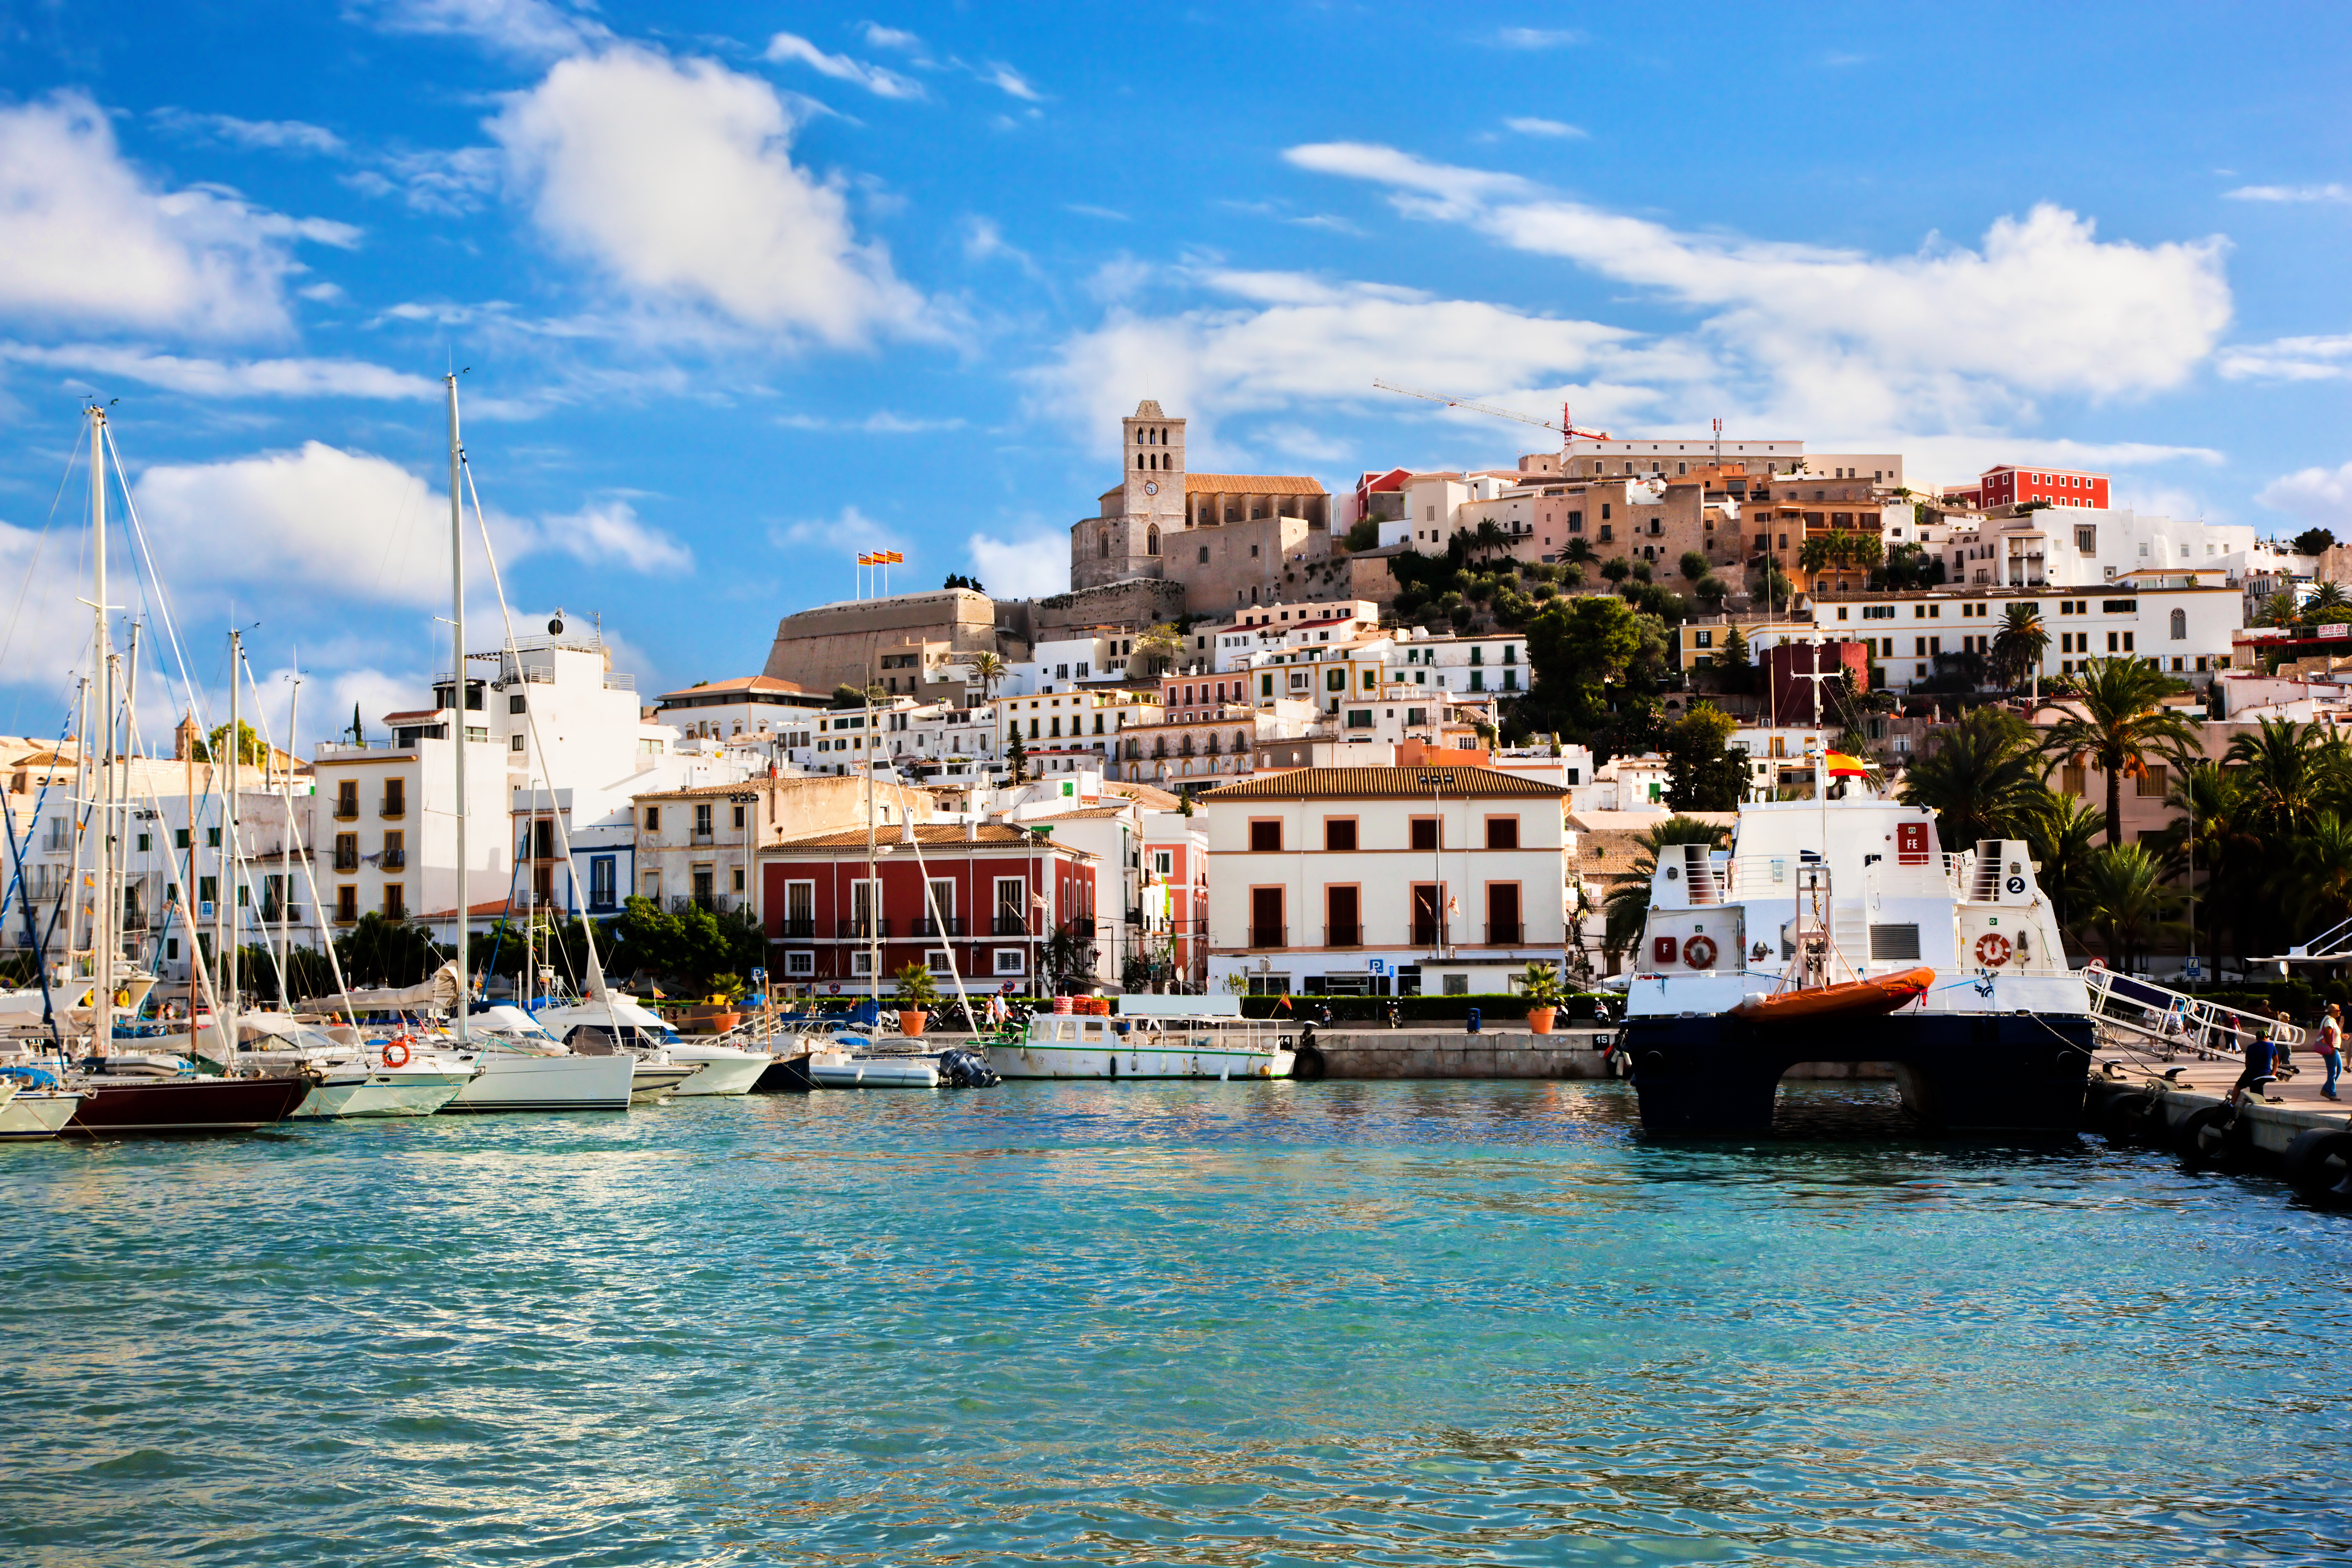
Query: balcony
926,926
1269,936
393,910
347,915
1429,933
1343,936
702,837
802,928
1505,933
281,914
1008,925
393,859
347,808
391,805
865,929
347,864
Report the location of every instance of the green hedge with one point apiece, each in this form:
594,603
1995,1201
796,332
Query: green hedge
1494,1008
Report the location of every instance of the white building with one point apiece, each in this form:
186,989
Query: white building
1385,880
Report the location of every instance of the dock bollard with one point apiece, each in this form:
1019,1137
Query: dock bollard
1474,1020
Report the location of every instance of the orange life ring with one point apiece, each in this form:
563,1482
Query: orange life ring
392,1046
1699,952
1993,950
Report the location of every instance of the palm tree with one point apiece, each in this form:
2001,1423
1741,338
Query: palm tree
2278,610
1627,906
2212,840
2328,597
2019,646
2062,831
2128,900
988,668
1981,781
2323,863
2281,763
1488,539
2121,722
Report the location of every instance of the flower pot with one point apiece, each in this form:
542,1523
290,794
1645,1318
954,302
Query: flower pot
722,1022
1539,1019
911,1023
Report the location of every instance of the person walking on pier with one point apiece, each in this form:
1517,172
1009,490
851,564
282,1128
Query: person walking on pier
2331,1048
2282,1049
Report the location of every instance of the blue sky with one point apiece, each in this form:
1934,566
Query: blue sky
743,288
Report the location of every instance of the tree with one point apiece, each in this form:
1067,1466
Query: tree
1616,569
380,951
1578,551
1575,648
958,580
848,697
250,751
2327,596
2314,541
1712,590
1627,906
688,946
2281,770
988,668
1735,664
1488,539
1017,755
2018,646
1161,645
2121,724
2279,610
2215,838
1981,781
2062,831
1694,565
1364,535
2126,896
1702,773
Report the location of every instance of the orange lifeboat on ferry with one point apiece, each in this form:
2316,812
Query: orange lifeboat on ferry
1854,998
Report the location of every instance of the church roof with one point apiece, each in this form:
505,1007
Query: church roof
1252,484
1148,409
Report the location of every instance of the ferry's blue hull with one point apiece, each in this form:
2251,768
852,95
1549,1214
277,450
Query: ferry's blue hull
1958,1071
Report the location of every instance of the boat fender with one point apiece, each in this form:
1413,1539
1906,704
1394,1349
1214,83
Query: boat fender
2318,1165
395,1052
1993,950
2204,1139
1699,952
1307,1063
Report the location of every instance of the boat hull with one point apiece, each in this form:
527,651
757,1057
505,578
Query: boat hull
1177,1060
385,1092
184,1105
36,1113
547,1083
718,1070
1959,1072
843,1070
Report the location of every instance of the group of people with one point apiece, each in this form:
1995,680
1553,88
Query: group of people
2270,1055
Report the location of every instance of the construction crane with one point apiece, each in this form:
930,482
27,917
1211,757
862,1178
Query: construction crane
1567,426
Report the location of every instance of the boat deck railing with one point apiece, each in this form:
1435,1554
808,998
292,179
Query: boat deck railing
1775,876
2176,1021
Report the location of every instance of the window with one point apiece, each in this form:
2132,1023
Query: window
179,838
2151,783
1011,906
1266,836
207,889
514,744
2179,625
702,820
1424,833
800,965
1266,928
396,901
1502,833
602,880
347,798
514,703
1338,833
1011,961
1163,861
652,819
1343,913
1502,926
347,903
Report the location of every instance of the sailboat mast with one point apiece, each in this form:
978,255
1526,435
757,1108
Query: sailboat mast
457,702
102,936
225,905
873,887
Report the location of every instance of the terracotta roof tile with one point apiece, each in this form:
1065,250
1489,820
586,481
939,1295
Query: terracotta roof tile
1252,484
930,835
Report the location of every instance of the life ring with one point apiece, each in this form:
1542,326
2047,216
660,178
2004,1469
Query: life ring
1699,952
391,1060
1993,950
2097,963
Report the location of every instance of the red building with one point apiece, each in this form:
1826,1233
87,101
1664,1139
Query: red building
1388,484
1002,894
2015,487
1791,669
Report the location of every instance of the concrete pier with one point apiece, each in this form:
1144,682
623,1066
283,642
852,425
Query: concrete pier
2181,1107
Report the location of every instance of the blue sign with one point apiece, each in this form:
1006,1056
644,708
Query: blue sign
1377,965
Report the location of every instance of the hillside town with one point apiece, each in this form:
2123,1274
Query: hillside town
1182,774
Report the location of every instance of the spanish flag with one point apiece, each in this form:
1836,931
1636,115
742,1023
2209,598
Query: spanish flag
1844,767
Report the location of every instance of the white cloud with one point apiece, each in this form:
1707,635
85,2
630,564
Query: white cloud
1538,37
882,422
1029,566
449,181
2320,497
221,378
1527,125
2290,358
984,240
1839,341
2290,194
882,38
876,80
1304,339
1007,80
92,242
353,524
675,177
269,136
534,29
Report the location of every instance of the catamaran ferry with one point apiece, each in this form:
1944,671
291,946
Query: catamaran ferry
1064,1044
1838,930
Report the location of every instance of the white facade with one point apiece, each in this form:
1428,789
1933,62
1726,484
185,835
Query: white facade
2184,621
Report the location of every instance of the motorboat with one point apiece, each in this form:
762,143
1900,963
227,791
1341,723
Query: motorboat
838,1069
620,1022
524,1068
32,1104
1221,1046
1838,929
401,1075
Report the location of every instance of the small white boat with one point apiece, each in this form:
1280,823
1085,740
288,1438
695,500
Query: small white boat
402,1076
524,1068
1065,1044
718,1069
35,1112
838,1069
620,1024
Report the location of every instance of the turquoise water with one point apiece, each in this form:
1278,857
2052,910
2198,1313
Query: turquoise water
1284,1323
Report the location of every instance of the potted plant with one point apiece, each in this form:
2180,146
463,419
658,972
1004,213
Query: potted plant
917,997
1541,986
726,990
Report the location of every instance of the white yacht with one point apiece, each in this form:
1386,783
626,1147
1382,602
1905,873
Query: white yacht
401,1075
524,1068
666,1063
1838,930
30,1109
1064,1044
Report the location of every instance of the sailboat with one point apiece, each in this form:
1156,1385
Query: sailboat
518,1070
129,1095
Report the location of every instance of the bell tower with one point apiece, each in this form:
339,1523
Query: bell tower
1155,476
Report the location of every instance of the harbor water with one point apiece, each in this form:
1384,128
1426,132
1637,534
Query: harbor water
1379,1323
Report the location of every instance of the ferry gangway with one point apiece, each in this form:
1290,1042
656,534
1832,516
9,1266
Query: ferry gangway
2174,1021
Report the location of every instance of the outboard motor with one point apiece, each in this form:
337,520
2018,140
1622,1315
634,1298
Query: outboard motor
961,1069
